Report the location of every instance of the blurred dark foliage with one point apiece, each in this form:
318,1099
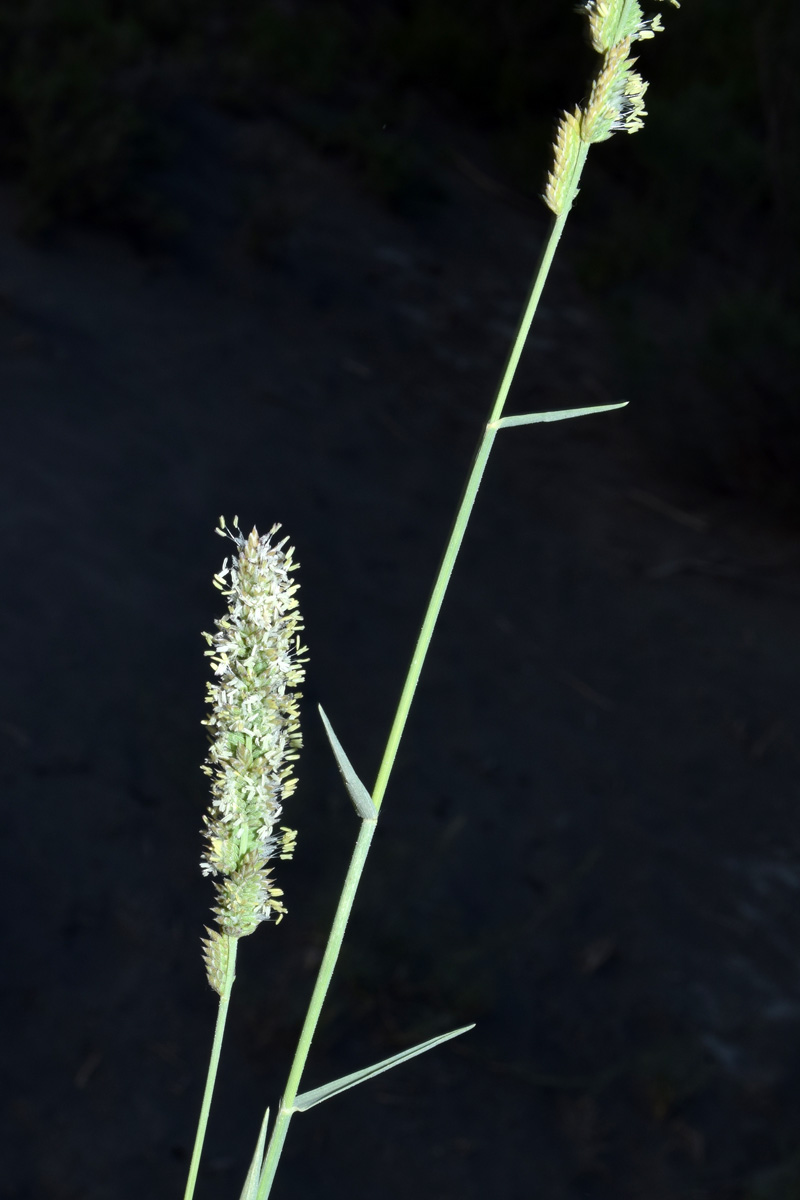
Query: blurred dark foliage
687,235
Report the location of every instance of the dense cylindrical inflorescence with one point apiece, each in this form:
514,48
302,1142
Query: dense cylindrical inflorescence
254,730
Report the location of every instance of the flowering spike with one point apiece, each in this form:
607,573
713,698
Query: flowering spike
615,21
616,100
561,187
257,659
216,949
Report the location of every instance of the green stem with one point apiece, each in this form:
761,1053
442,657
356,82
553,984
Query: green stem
464,513
366,833
213,1064
324,975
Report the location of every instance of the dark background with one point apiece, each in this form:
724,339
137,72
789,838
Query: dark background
267,259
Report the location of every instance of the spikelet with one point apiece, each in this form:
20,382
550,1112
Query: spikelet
254,732
616,98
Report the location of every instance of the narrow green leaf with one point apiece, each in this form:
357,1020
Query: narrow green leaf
560,415
250,1189
308,1099
358,793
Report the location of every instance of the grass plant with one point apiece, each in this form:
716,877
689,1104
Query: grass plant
258,658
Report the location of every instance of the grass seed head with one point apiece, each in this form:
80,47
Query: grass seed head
616,99
258,663
561,187
615,21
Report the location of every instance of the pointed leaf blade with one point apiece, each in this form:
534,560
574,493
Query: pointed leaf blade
308,1099
250,1189
361,798
563,414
